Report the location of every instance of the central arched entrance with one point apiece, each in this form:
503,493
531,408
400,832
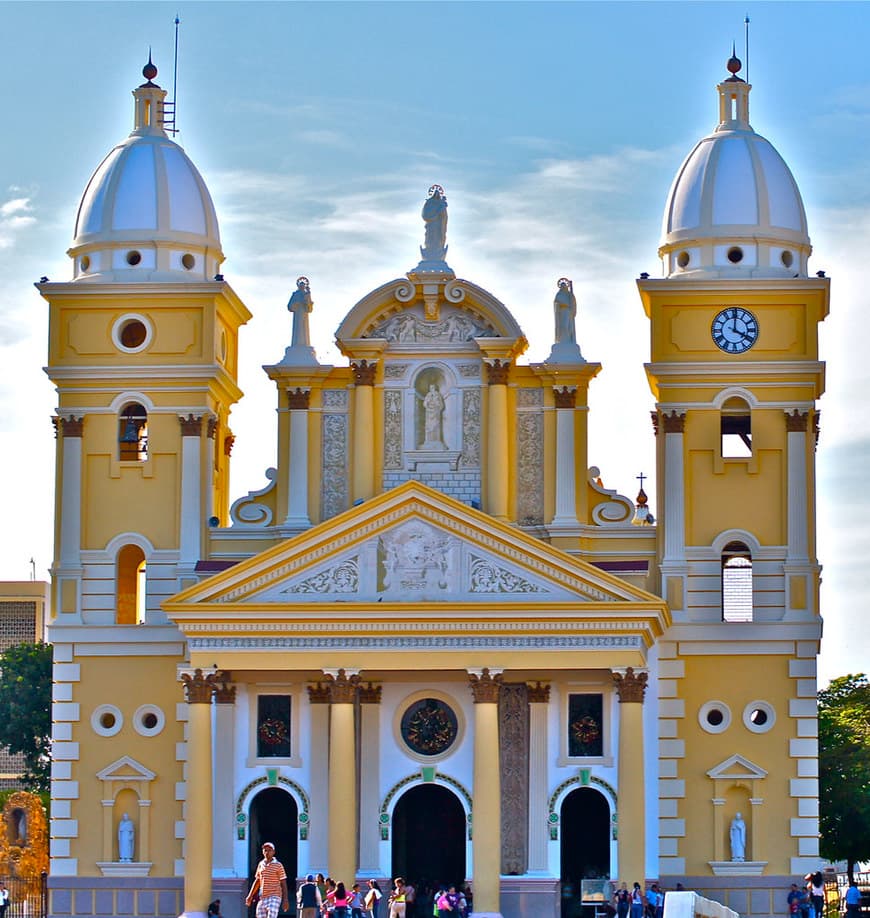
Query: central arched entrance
428,829
273,817
585,845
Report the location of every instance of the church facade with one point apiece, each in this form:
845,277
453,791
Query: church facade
435,645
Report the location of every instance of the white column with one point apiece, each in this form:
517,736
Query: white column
566,489
71,493
539,697
796,425
369,791
318,832
222,765
191,491
675,519
297,466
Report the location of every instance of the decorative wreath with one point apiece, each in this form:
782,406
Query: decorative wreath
586,730
273,732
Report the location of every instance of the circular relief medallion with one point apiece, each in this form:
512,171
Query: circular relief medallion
429,726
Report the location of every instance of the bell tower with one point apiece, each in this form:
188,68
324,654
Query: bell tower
735,371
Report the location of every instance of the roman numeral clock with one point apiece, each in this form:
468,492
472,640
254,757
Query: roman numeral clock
734,330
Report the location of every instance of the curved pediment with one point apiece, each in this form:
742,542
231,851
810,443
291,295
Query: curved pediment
429,310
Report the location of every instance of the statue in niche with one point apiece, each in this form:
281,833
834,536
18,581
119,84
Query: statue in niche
17,827
126,839
737,834
434,247
565,308
300,307
433,419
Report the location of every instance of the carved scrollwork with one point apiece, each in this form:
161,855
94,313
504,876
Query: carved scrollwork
248,511
486,577
405,292
454,291
342,578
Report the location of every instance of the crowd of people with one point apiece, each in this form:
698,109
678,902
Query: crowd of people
323,897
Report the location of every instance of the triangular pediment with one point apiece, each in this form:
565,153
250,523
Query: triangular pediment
737,767
413,544
126,769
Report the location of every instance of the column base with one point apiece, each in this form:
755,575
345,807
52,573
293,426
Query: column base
486,915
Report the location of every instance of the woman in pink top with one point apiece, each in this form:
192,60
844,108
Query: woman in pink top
339,899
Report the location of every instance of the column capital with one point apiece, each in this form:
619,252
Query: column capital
225,693
211,427
229,439
539,692
198,687
497,372
370,694
318,693
797,421
364,372
191,426
298,399
630,686
674,422
566,397
342,686
485,685
654,417
72,426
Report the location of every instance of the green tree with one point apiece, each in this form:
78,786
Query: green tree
844,770
25,709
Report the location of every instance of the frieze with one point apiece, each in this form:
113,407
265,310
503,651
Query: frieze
422,627
392,429
469,370
342,578
487,577
408,328
461,642
395,370
470,457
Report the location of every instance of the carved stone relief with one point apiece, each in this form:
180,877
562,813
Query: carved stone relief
513,716
392,429
487,577
341,578
409,328
416,561
469,370
470,457
530,457
395,370
334,453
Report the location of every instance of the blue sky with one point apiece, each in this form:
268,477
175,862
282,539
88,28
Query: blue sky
555,129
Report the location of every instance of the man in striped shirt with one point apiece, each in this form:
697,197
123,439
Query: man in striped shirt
271,882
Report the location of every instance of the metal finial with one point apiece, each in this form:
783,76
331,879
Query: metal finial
734,64
149,71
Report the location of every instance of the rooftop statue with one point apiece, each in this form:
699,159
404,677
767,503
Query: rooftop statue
434,246
300,307
565,348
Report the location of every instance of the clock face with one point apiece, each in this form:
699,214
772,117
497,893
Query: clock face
734,330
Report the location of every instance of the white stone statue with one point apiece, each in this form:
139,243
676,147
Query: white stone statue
300,307
433,417
565,308
126,839
434,247
737,833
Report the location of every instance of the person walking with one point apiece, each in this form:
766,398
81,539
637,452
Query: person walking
636,901
397,899
816,887
270,881
308,899
373,898
339,899
622,901
853,900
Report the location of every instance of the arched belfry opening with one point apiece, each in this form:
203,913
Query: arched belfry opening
584,845
428,833
273,817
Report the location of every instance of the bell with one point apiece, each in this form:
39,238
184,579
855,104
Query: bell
131,432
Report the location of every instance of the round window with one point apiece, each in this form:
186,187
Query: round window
429,726
714,717
787,258
759,716
188,261
84,263
133,334
683,259
735,254
134,257
106,720
148,720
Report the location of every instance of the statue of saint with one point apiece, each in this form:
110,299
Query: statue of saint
737,833
300,306
433,414
126,839
435,217
565,308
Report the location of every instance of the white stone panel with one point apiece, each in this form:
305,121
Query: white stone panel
667,729
672,788
61,809
62,653
672,749
808,768
181,790
59,847
735,196
673,828
806,688
181,752
667,688
65,828
61,751
668,809
62,691
783,199
668,769
808,847
803,748
667,651
807,649
803,787
186,213
62,731
808,727
66,710
672,669
807,807
180,829
675,707
61,771
802,669
804,827
181,712
672,865
685,210
66,672
64,866
668,847
802,707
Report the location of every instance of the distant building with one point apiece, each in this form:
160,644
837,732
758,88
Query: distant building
435,643
23,606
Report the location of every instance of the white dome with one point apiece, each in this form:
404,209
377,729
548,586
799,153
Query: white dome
146,213
734,207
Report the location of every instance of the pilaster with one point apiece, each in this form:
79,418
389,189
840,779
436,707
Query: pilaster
190,520
539,704
297,466
222,768
342,686
631,843
566,473
497,372
369,810
318,833
362,479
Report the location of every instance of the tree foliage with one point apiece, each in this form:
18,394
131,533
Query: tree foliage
25,709
844,769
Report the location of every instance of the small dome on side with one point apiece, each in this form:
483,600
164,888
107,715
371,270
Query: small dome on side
146,213
734,207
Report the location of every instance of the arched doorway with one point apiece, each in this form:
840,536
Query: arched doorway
585,844
428,829
273,817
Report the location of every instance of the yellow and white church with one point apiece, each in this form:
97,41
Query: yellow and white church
435,644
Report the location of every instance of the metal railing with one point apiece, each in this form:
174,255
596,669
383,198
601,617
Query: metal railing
28,896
